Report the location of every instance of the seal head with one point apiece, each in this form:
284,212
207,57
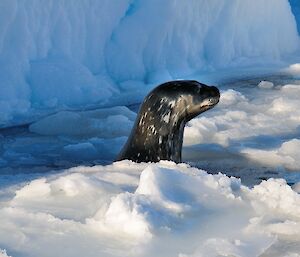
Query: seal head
158,130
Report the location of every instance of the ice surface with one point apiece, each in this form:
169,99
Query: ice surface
61,55
262,126
251,131
148,210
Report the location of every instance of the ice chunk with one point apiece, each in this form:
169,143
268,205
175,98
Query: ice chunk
265,84
104,123
82,151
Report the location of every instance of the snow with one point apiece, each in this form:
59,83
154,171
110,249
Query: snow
138,209
265,84
3,253
62,55
162,209
287,155
262,127
294,70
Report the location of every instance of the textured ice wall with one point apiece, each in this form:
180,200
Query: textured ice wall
296,11
70,53
52,53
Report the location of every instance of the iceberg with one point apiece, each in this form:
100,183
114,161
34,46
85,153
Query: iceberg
60,55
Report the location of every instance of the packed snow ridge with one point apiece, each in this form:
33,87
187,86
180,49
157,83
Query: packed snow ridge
63,54
159,209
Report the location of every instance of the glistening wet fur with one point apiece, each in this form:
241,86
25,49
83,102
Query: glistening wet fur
158,130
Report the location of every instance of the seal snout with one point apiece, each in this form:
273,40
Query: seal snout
215,92
214,95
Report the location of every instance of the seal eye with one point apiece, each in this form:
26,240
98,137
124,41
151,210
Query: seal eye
211,101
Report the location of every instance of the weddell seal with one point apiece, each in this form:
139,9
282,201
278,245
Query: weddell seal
158,130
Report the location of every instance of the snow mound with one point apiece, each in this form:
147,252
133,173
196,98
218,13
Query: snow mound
287,155
293,69
63,55
137,208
